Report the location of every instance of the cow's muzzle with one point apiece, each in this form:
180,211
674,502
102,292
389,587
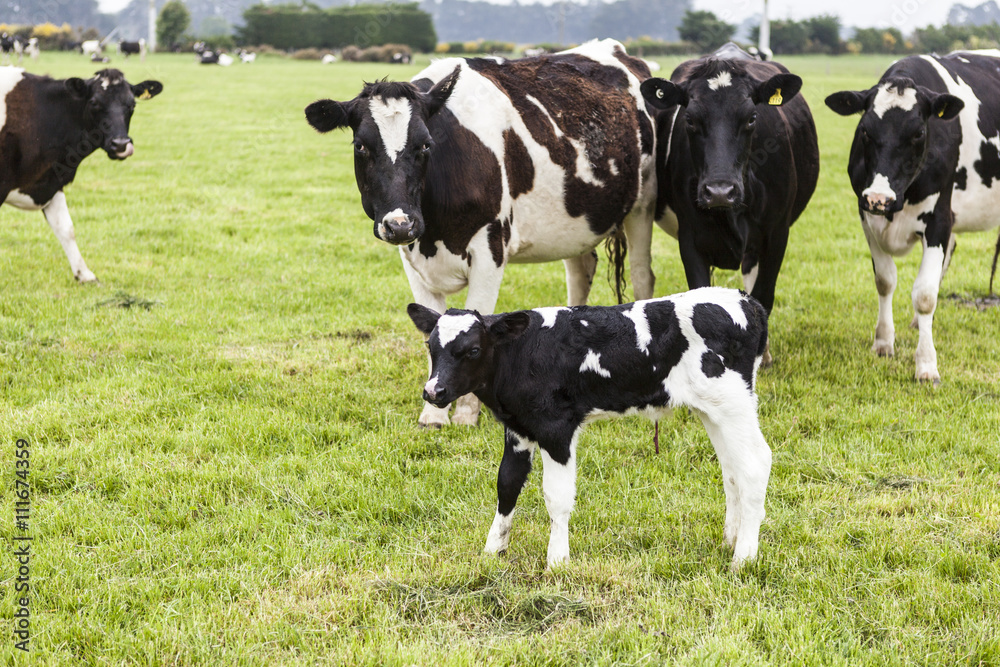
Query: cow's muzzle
879,203
436,396
718,194
399,228
120,148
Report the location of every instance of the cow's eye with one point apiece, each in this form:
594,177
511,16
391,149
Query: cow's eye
425,147
752,120
918,136
473,353
692,124
360,148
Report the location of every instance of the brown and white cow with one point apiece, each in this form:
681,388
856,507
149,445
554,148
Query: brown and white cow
47,127
483,161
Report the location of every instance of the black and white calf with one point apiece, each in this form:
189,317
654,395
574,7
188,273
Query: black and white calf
137,48
482,161
737,163
47,127
546,373
924,165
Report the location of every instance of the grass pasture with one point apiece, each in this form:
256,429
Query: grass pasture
226,466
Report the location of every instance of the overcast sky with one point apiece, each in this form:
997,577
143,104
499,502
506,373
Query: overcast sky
903,14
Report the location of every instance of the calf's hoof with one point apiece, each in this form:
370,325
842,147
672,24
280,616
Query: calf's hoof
883,348
87,276
929,376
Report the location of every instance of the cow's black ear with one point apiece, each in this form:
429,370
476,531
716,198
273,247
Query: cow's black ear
439,94
78,87
777,90
147,89
327,115
662,93
848,102
945,106
422,316
509,326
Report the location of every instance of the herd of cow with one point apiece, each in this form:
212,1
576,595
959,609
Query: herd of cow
478,162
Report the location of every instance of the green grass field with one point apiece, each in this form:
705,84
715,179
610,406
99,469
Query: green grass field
229,471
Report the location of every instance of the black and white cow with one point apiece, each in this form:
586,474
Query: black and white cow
737,162
548,372
138,48
47,127
921,178
483,161
10,44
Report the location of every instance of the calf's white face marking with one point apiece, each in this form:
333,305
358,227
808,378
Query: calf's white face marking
720,80
890,98
451,327
392,117
592,362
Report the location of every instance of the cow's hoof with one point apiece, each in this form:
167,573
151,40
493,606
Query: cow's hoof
87,277
933,378
883,348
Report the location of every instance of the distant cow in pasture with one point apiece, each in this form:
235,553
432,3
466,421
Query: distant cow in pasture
32,48
547,373
47,127
10,44
215,58
738,161
483,161
138,48
91,47
328,59
921,178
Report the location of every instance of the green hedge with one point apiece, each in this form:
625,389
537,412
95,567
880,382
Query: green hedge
306,25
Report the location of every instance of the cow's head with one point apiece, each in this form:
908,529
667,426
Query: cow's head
109,101
392,144
892,136
721,103
462,344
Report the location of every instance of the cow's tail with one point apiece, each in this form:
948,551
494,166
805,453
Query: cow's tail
617,252
993,271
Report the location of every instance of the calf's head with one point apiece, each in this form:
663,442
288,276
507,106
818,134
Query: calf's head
462,345
392,145
109,101
721,104
892,136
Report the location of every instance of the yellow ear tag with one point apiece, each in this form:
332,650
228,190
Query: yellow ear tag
941,113
775,100
145,94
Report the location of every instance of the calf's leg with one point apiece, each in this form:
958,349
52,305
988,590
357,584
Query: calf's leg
559,489
513,475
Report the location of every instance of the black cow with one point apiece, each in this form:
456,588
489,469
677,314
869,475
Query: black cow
546,373
737,163
133,48
47,127
921,178
483,161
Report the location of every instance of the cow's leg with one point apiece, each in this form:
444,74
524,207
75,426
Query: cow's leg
696,269
430,416
559,490
639,237
884,268
763,276
745,460
579,277
484,289
513,475
57,214
925,293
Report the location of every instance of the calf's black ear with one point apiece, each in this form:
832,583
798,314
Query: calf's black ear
147,89
509,326
439,94
777,90
848,102
662,93
422,316
945,106
77,87
327,115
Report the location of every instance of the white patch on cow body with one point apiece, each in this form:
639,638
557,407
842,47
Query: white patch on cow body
889,97
584,170
592,362
750,278
18,199
392,117
549,315
723,79
643,337
898,237
9,77
450,327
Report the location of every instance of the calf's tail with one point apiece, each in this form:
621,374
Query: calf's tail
993,271
617,251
